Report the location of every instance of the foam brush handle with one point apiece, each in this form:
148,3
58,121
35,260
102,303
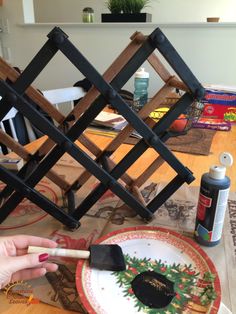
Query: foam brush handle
60,252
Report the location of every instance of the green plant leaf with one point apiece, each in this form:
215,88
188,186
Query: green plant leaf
114,6
126,6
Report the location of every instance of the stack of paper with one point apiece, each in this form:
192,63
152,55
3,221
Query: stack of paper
109,120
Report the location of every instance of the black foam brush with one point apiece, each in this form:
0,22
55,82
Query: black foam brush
101,256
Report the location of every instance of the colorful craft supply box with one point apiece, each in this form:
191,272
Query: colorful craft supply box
221,105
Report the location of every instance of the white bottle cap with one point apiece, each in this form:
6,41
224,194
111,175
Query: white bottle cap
141,74
226,159
217,172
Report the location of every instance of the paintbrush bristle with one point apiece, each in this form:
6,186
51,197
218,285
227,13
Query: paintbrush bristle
107,257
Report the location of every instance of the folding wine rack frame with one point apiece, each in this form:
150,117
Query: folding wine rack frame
16,90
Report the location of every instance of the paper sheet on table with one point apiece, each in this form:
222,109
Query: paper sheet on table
223,309
178,213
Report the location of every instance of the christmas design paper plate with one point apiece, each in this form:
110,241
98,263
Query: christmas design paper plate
165,273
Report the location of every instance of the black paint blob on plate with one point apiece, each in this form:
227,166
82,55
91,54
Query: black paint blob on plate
153,290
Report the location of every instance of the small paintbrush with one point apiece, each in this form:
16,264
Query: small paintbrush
101,256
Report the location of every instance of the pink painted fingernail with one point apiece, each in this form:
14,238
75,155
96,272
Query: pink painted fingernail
43,257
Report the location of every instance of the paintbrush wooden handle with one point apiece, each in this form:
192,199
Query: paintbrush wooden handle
60,252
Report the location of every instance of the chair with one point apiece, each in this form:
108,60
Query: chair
9,117
63,99
19,127
64,96
7,125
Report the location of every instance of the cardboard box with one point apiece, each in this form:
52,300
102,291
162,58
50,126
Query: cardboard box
220,104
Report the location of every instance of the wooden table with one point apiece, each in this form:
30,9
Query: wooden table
198,164
223,141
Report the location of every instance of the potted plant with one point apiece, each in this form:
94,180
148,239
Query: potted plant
126,11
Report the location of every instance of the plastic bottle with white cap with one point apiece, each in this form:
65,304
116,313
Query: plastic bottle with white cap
212,202
141,82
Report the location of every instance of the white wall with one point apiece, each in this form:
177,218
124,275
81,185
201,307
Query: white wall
209,51
66,10
161,10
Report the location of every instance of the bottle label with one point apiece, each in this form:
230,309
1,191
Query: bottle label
220,214
211,213
140,92
140,101
203,204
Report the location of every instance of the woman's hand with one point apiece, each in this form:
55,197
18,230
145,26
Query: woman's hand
16,264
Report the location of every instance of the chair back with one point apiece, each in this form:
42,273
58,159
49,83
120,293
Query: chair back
7,125
20,129
63,98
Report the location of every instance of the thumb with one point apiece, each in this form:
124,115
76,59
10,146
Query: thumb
17,263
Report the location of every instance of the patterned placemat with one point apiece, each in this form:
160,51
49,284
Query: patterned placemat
196,141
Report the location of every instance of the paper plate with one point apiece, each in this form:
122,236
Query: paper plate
151,251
